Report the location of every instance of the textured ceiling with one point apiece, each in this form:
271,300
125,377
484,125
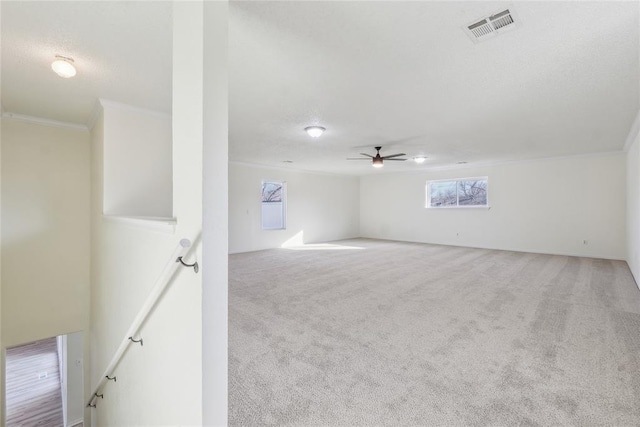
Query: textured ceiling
122,51
405,76
398,74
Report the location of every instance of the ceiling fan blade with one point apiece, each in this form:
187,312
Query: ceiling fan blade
393,155
368,155
397,160
357,158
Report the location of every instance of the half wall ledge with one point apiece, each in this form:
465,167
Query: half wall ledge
160,224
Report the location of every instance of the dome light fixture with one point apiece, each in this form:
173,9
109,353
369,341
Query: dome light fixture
419,159
314,131
63,67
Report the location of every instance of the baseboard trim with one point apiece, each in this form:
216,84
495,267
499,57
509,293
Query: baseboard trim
531,251
75,423
633,276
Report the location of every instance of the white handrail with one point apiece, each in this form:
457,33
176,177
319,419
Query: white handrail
163,281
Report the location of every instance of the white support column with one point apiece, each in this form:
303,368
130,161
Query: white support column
215,213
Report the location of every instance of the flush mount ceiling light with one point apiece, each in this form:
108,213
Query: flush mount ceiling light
314,131
63,66
419,159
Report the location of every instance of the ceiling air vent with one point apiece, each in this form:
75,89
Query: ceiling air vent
491,26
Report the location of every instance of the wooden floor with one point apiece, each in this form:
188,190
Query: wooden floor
31,399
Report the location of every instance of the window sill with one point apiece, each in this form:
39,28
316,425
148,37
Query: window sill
435,208
164,225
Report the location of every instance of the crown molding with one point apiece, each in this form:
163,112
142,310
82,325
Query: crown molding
633,133
290,169
44,122
108,103
425,168
93,117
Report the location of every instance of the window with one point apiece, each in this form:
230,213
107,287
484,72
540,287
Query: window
273,205
466,192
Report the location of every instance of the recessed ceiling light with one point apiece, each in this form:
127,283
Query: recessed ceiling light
63,67
287,161
314,131
419,159
462,163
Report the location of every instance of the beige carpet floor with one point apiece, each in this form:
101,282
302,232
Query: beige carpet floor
400,334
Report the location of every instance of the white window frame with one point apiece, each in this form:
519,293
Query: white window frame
457,206
284,205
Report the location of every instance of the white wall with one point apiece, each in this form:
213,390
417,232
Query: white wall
75,378
45,244
547,206
137,161
159,383
633,208
45,186
2,361
319,208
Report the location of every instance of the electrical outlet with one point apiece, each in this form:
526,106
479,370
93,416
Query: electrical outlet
78,362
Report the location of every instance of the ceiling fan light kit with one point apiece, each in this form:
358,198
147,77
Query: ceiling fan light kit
377,161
